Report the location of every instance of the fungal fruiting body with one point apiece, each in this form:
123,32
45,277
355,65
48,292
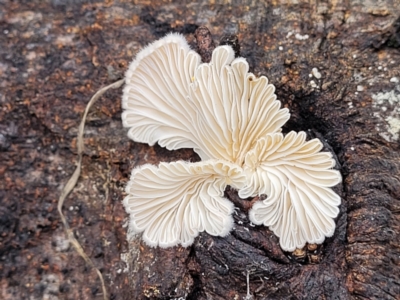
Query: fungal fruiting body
233,120
218,108
175,201
300,206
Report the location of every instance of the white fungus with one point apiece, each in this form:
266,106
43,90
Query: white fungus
219,95
175,201
300,37
233,120
316,73
313,84
297,178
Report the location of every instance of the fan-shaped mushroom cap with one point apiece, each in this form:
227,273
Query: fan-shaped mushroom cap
296,177
232,120
175,201
154,100
219,109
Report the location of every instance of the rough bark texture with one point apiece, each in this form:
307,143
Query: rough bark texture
55,54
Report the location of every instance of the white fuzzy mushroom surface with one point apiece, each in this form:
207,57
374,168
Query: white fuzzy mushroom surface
173,202
233,120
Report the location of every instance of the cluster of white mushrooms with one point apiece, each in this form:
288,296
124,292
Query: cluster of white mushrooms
233,121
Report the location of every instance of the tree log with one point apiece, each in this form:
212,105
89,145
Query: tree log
56,54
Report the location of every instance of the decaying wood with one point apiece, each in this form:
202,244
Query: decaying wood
56,54
204,43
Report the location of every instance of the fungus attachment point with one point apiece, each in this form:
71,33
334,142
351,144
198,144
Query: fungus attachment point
173,202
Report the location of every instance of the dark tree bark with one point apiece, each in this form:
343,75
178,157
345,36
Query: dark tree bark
55,54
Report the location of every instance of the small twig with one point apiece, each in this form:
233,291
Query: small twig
74,178
248,296
260,287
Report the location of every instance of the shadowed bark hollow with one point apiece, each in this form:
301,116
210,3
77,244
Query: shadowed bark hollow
335,65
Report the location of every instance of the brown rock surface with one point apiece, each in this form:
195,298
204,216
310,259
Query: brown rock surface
55,54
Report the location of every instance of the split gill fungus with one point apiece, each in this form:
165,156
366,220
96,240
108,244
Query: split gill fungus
233,120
